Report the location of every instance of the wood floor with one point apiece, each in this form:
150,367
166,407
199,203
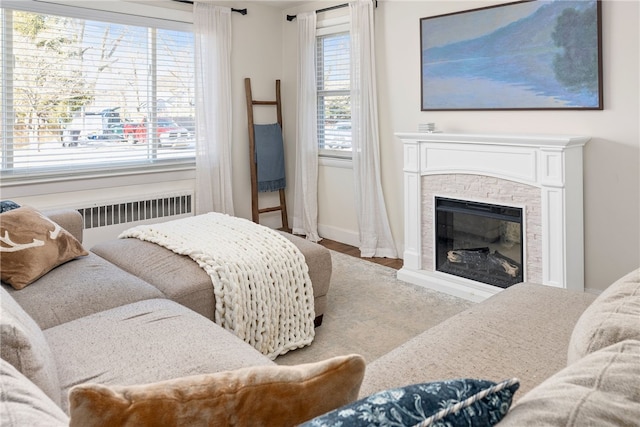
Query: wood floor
353,251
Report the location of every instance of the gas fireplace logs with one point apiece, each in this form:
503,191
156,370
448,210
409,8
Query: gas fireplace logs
484,259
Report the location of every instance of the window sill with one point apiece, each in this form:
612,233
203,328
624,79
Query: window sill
36,186
336,162
81,175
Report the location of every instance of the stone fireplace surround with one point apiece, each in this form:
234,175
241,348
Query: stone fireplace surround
540,173
480,188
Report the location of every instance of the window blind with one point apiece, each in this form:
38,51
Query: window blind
333,89
85,94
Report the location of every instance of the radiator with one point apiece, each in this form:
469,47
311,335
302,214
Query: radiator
132,211
106,220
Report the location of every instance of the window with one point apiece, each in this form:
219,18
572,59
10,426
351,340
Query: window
334,98
87,95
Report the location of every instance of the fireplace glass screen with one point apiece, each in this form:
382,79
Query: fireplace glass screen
479,241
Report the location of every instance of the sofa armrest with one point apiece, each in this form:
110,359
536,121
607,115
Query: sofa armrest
69,219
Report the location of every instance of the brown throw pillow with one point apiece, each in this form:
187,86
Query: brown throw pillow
31,245
253,396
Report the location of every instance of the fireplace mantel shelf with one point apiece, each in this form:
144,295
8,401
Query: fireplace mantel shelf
551,163
523,140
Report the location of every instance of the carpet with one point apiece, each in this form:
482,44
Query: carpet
370,312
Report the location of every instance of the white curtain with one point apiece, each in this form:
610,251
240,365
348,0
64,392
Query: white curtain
305,209
375,232
212,27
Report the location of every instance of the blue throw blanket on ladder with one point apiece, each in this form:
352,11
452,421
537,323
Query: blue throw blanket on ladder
269,157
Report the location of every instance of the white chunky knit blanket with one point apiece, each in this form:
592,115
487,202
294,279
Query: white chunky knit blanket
260,279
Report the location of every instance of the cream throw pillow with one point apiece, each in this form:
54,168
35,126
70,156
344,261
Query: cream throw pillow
613,317
31,245
601,389
254,396
23,345
22,403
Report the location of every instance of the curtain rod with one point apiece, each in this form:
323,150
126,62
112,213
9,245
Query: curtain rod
326,9
240,11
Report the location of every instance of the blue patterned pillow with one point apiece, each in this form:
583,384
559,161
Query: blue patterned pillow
450,403
7,205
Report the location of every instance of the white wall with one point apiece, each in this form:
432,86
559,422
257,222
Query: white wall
612,157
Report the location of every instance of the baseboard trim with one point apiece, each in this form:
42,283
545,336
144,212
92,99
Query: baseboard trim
339,235
458,287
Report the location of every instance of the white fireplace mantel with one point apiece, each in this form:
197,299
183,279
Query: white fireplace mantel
552,163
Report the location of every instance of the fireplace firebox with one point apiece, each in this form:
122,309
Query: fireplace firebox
479,241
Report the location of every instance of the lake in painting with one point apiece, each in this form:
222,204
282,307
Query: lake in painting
528,55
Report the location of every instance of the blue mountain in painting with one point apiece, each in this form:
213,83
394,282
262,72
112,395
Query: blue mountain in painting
552,54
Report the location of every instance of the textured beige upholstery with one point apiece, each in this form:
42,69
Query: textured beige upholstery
178,277
22,403
81,287
23,345
601,389
143,342
69,219
614,316
521,332
183,281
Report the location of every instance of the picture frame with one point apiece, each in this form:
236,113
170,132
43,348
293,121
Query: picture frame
525,55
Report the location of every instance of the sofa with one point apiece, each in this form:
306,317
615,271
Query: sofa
89,336
576,356
88,320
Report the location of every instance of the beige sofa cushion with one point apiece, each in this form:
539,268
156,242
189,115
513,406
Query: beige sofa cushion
178,277
144,342
32,245
493,340
25,347
22,403
76,289
70,219
613,317
602,389
252,396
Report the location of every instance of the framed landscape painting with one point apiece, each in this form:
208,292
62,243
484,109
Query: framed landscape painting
528,55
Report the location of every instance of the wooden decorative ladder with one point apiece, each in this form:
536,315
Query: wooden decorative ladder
255,209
